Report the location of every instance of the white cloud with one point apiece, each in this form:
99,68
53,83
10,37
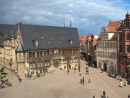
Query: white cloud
89,16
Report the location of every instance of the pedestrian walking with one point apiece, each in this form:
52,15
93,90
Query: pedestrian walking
19,79
79,69
83,80
94,96
80,81
68,71
74,70
104,93
89,81
102,70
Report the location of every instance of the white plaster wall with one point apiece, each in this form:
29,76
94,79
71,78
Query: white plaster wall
110,35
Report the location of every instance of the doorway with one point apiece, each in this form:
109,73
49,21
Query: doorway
105,67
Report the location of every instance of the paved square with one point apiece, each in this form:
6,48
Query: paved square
59,84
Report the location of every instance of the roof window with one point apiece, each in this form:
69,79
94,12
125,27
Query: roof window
59,41
52,37
62,37
35,41
70,41
49,42
42,37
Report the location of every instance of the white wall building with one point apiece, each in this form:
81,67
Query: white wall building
107,48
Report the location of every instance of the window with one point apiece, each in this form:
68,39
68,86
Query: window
71,41
120,48
52,37
128,36
36,43
62,37
38,65
38,54
47,63
75,59
30,54
44,53
64,61
33,54
71,60
47,52
42,37
128,48
31,65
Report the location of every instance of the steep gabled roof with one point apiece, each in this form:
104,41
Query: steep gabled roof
112,26
48,37
7,30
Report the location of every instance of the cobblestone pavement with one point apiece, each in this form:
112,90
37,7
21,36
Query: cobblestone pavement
59,84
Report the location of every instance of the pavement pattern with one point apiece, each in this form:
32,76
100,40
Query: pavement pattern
58,84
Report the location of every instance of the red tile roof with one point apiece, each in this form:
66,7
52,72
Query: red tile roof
112,26
84,38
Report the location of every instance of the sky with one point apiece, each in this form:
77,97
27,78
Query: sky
88,16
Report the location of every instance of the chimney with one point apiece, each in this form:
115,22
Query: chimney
22,22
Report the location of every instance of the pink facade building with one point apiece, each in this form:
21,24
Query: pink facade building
123,49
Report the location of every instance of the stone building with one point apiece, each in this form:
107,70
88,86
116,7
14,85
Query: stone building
107,48
94,57
86,47
37,48
124,47
83,48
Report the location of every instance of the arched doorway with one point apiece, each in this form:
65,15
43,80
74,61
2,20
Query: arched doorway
68,66
99,65
56,64
105,67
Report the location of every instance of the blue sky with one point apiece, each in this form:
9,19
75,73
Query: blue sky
89,16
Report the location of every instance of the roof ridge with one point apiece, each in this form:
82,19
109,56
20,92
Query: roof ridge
46,25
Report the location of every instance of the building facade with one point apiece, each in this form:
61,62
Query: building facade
37,49
94,58
107,48
124,47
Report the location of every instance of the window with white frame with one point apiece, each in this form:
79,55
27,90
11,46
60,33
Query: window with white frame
31,65
47,63
38,64
71,60
64,61
75,59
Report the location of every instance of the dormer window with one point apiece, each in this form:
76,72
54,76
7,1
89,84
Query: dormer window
71,41
59,42
49,42
52,37
42,37
62,37
36,43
